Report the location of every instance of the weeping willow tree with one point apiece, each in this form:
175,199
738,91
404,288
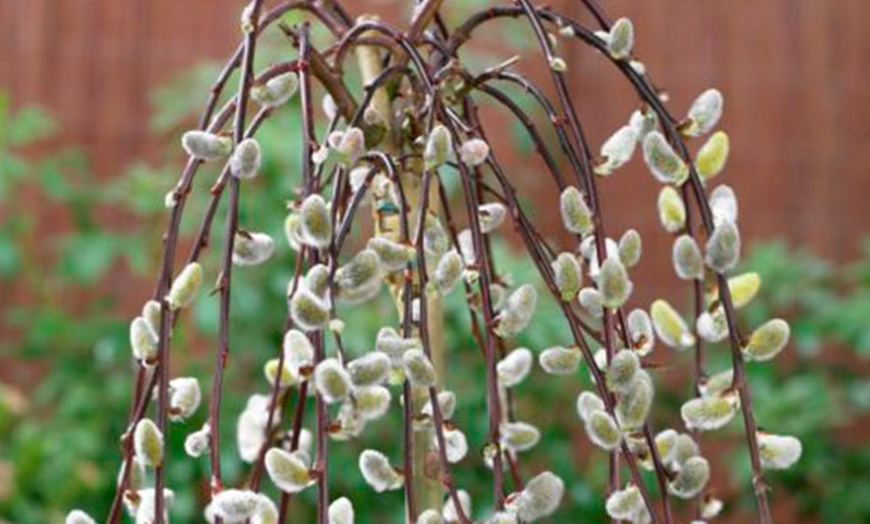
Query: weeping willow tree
405,119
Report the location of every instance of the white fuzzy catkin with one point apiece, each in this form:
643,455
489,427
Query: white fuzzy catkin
517,312
643,121
309,312
267,511
251,426
235,505
332,381
288,471
474,152
640,332
252,248
144,506
704,113
672,210
276,91
361,278
670,326
316,223
450,513
293,231
712,326
491,216
349,145
560,360
778,451
418,368
185,287
514,367
148,443
691,479
723,205
603,430
206,146
634,403
568,275
430,516
723,247
245,161
448,271
709,413
592,301
378,473
196,443
394,345
370,369
767,341
613,283
621,39
341,511
143,340
622,369
297,349
519,436
540,498
627,504
446,402
617,150
185,397
152,313
78,516
576,215
711,158
587,404
664,163
393,255
439,146
687,259
558,64
455,444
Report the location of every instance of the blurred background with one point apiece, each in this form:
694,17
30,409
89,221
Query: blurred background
95,93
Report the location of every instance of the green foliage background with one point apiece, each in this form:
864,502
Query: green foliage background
58,436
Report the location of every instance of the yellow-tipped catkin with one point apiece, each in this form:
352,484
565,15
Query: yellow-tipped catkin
709,413
744,288
148,443
439,146
672,210
568,275
613,283
315,222
576,215
778,451
309,311
712,156
332,381
670,326
289,471
185,287
768,340
603,430
630,248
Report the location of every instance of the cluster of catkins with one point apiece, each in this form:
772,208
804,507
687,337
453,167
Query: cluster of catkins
361,390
